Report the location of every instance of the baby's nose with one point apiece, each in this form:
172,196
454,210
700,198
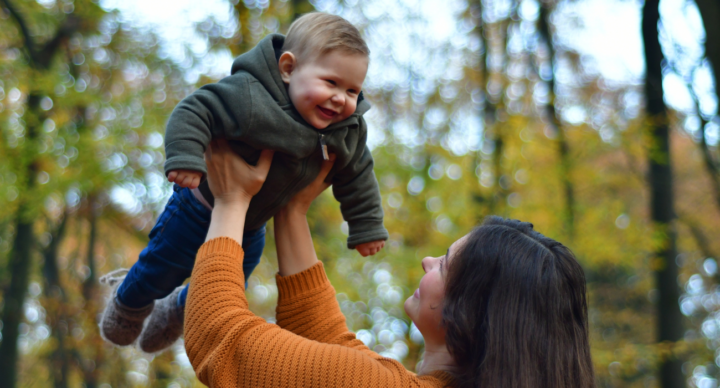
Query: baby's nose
338,99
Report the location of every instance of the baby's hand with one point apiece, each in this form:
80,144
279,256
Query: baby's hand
185,178
370,248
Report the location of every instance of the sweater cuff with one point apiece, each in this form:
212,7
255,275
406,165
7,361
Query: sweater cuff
311,279
221,245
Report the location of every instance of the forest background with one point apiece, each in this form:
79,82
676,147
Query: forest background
503,109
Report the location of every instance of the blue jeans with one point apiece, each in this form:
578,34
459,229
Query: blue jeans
170,255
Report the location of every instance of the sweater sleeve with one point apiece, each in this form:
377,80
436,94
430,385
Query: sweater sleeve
217,110
229,346
307,306
358,192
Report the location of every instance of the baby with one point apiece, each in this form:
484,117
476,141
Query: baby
298,95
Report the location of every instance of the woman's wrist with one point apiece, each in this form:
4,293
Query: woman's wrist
237,201
295,208
228,220
293,242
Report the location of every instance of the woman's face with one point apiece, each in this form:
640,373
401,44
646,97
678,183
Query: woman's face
425,306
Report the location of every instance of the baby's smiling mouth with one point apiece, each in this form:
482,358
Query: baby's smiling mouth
327,112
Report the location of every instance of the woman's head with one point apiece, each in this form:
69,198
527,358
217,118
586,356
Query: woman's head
512,310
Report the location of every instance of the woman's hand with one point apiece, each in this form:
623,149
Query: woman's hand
302,200
233,183
231,178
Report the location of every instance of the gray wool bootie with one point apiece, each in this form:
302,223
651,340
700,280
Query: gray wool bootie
120,324
165,324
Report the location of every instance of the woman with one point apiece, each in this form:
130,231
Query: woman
505,307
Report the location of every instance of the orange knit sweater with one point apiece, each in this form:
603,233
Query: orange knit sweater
310,346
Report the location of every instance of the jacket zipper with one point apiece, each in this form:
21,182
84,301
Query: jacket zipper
323,147
289,188
323,151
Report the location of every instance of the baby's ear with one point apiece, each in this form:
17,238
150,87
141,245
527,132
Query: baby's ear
287,65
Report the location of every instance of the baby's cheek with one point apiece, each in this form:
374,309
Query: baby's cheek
349,109
315,94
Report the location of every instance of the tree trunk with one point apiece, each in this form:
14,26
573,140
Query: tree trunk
488,109
563,148
89,283
55,307
20,258
39,60
14,297
491,110
669,319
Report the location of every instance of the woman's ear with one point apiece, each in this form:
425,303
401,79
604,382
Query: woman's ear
287,64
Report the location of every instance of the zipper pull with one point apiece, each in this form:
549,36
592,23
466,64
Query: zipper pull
323,148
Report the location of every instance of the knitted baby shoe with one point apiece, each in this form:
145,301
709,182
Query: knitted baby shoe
165,324
120,324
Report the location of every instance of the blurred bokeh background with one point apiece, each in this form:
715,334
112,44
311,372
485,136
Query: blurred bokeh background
596,120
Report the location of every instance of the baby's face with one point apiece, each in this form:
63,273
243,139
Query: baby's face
325,90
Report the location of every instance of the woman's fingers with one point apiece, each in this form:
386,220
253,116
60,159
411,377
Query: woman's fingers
229,175
263,164
319,185
302,200
326,167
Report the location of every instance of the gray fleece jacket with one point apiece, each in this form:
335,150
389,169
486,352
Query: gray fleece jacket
251,108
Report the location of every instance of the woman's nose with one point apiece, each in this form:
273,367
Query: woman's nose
426,264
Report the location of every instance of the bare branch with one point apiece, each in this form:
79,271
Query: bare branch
41,58
701,239
29,42
710,164
44,58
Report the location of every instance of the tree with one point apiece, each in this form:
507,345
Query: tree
90,83
39,59
662,211
553,117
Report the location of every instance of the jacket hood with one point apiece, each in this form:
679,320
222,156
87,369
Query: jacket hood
261,62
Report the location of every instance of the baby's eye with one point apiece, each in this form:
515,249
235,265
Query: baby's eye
352,91
331,82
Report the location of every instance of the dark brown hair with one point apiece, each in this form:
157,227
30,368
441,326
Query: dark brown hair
515,310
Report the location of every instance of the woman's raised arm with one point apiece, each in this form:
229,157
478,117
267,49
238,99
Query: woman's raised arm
295,250
303,313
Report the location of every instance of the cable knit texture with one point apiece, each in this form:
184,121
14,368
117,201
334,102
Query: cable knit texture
310,346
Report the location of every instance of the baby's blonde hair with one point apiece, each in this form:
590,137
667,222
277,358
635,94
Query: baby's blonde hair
319,33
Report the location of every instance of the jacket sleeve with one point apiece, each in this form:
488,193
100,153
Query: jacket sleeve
229,346
358,192
215,110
